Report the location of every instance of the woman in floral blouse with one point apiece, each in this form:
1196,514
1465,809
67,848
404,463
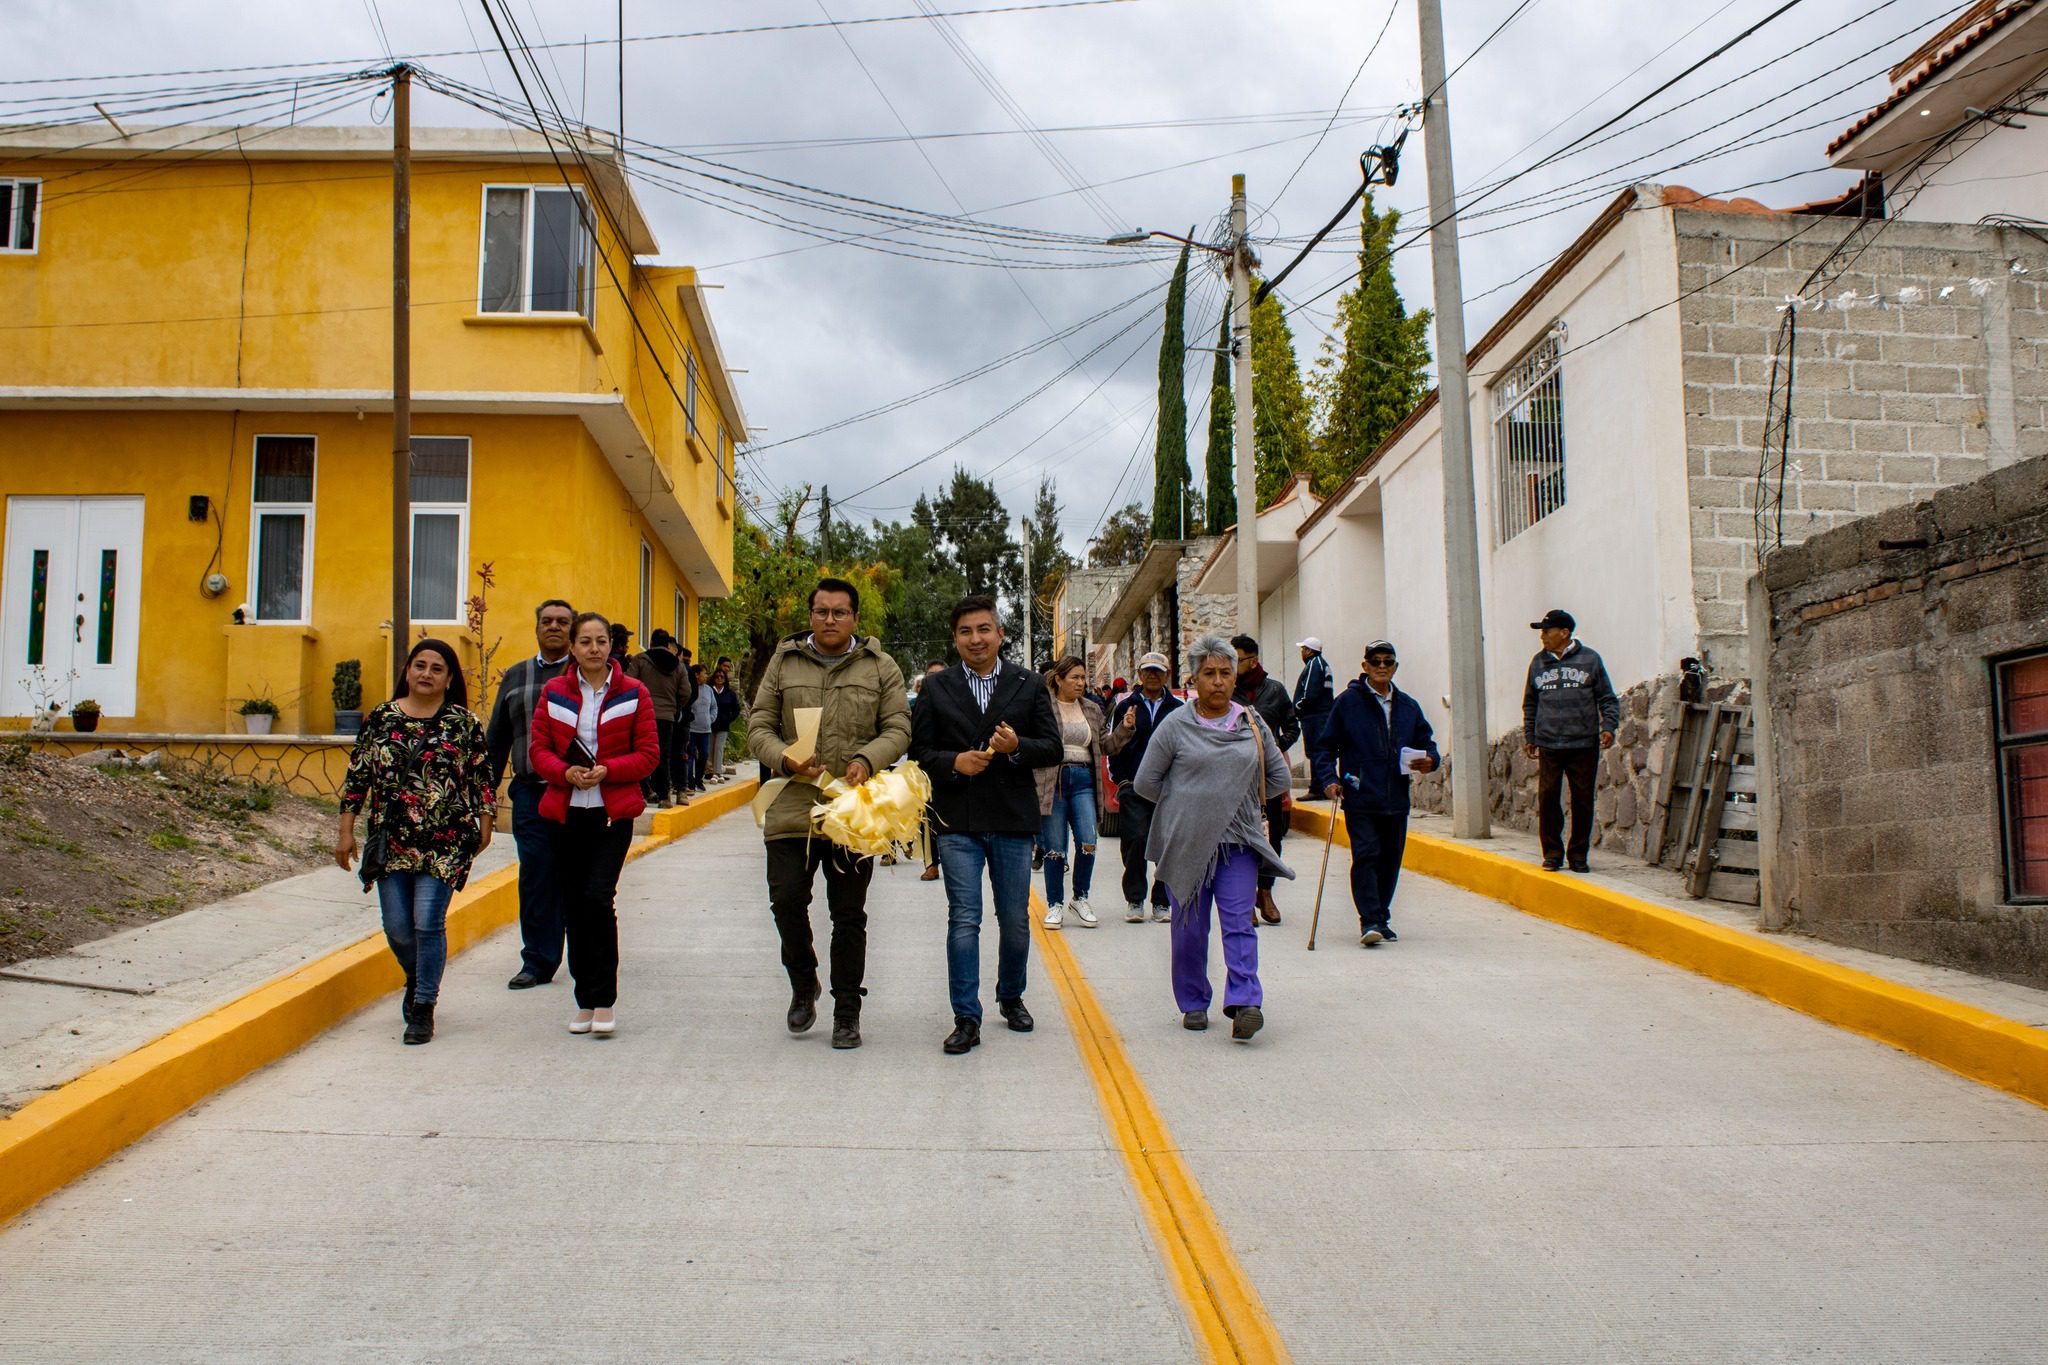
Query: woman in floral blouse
421,769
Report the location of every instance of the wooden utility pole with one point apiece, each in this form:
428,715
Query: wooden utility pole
1247,467
401,370
1470,757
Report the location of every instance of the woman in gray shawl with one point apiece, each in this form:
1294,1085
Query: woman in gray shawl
1209,767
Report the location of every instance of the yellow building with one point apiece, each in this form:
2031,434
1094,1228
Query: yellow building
195,399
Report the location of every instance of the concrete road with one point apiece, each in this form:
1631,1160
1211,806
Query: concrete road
1495,1140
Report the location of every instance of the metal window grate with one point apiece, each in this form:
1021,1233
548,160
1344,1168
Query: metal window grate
1528,438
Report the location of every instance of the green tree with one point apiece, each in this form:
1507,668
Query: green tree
1050,564
771,587
1123,539
1170,477
1280,411
919,596
1363,393
1220,464
972,537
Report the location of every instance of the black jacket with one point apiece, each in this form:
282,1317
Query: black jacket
1003,797
1314,693
512,716
1568,701
1126,754
1359,749
1274,707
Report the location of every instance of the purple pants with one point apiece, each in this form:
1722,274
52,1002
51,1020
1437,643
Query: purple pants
1233,890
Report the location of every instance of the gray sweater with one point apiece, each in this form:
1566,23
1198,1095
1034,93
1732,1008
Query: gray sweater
1206,784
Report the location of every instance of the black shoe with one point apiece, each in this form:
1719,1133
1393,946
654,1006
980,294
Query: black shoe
966,1034
803,1009
1018,1017
846,1031
1388,935
1373,936
1195,1020
525,981
405,1004
1580,866
419,1027
1249,1020
1037,858
1552,864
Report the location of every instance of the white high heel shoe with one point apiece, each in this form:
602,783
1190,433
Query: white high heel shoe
603,1022
580,1021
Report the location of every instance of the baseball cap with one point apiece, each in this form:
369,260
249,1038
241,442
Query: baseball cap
1555,618
1153,660
1381,647
1310,643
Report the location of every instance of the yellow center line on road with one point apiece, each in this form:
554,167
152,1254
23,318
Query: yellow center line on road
1229,1321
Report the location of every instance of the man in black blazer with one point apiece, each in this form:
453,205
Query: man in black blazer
978,731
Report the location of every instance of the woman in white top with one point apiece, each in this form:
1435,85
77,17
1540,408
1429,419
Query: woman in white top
1070,795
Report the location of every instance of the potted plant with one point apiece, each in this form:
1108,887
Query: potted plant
85,716
348,697
258,715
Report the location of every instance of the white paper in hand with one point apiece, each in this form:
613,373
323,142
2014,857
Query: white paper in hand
1412,759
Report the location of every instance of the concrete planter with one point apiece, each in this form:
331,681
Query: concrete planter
258,725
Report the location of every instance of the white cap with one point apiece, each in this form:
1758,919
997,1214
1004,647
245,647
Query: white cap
1153,660
1311,643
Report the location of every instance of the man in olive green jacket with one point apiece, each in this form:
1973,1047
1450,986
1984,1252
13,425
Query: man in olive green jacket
864,727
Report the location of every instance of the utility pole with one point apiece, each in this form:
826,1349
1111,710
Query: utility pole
1469,744
401,370
1247,470
1030,597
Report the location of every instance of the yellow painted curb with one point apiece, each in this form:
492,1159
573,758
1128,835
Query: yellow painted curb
53,1140
1985,1047
1228,1318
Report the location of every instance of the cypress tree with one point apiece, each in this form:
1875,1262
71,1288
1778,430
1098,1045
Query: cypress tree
1280,408
1219,465
1170,452
1382,374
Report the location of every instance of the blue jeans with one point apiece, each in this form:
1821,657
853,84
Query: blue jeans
1073,806
1008,860
416,926
699,749
540,894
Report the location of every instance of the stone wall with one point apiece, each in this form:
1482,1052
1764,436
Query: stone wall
1198,614
1626,816
1890,403
1882,700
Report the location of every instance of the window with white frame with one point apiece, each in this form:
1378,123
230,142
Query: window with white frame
281,529
440,526
21,204
719,454
1528,438
538,252
690,391
646,591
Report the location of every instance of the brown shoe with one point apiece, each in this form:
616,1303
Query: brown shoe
1268,911
930,874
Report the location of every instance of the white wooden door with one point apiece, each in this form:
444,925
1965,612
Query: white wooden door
71,603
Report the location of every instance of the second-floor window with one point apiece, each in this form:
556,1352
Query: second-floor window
538,254
20,209
440,526
1528,438
281,528
690,391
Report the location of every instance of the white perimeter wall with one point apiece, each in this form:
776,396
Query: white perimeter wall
2005,171
1617,555
1341,588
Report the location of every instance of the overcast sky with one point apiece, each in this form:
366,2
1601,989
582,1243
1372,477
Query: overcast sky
826,331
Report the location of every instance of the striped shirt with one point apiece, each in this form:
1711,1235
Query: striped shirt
982,687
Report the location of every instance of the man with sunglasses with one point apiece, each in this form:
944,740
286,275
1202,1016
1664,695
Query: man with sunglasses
1376,740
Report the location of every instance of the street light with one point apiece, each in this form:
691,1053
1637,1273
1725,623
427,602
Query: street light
1139,236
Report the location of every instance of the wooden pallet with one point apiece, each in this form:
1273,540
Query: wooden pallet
1711,786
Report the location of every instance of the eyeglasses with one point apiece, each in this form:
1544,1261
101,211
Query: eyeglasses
1379,661
832,613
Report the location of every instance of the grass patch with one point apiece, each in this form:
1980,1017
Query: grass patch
169,841
40,837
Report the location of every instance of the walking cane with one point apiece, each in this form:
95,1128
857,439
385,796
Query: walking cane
1315,917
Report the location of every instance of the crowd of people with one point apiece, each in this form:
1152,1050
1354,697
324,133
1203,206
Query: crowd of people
1022,767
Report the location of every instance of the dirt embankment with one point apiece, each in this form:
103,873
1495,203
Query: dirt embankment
88,851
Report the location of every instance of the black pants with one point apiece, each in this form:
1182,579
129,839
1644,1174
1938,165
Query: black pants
540,891
656,787
1577,767
793,865
590,848
1376,845
1276,833
1133,828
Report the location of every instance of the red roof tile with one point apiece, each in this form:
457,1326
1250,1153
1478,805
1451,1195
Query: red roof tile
1934,67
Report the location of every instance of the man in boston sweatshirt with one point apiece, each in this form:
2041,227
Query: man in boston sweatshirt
1569,714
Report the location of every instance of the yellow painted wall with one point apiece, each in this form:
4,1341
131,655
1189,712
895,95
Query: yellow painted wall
545,511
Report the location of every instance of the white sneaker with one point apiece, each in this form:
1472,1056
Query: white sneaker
1161,915
1085,915
1052,918
1134,913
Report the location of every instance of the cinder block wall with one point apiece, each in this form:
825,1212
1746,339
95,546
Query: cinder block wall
1881,697
1890,403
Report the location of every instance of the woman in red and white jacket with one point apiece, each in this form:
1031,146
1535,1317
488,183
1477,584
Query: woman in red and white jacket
594,741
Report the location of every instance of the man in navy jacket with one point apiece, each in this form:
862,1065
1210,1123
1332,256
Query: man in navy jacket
1357,762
